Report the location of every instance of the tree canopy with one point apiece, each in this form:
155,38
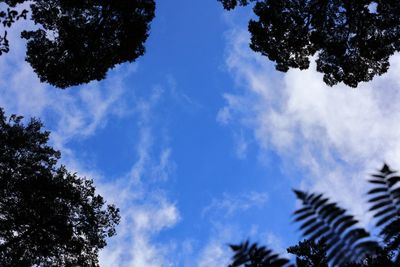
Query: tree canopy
48,216
79,41
351,41
333,239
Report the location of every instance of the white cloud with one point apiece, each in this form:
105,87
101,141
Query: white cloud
75,112
241,144
275,243
225,229
144,215
216,252
336,135
145,209
214,255
230,204
164,167
224,115
78,113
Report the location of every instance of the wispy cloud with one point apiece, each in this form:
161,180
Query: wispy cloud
336,136
230,204
214,254
79,113
144,215
241,144
225,229
73,113
145,209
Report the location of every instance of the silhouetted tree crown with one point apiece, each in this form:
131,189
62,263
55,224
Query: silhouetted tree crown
78,41
309,253
48,216
351,40
333,238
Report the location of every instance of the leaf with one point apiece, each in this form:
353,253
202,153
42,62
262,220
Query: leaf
384,211
308,223
381,204
304,216
386,219
325,220
386,206
377,181
377,190
378,198
299,211
255,255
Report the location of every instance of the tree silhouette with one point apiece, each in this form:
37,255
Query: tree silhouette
231,4
48,216
310,253
333,239
79,41
351,40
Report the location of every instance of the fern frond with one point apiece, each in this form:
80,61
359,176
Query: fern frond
255,256
385,204
323,219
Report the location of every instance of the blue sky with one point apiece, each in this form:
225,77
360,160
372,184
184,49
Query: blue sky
200,141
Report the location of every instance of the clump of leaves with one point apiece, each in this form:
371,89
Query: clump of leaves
253,255
333,238
310,253
351,40
385,201
79,41
324,220
48,216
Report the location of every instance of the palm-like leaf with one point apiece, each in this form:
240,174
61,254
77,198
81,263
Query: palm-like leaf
385,203
255,256
322,219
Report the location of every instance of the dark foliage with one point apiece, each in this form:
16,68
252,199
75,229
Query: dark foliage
382,258
385,201
231,4
79,41
48,216
310,253
8,17
352,40
322,219
253,255
333,238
